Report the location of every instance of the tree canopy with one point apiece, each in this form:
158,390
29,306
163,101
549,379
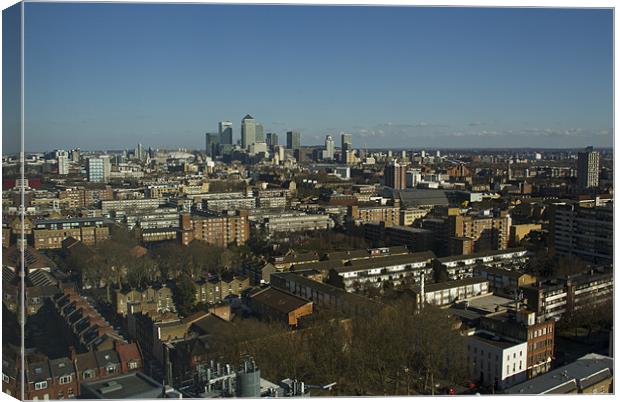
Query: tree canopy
397,352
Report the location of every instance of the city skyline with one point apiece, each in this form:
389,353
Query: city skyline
399,77
278,201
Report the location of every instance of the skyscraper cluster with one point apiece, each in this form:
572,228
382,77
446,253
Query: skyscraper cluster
254,141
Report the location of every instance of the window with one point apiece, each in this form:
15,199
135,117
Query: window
40,385
5,377
110,369
133,365
88,374
65,379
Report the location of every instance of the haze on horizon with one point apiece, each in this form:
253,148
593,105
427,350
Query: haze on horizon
107,76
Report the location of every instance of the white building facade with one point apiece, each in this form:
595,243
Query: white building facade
496,362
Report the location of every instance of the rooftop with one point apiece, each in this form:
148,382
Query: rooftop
490,303
367,253
33,259
481,254
379,262
433,287
210,325
350,298
500,271
586,371
128,386
297,258
415,197
71,220
61,366
318,265
494,340
407,229
279,300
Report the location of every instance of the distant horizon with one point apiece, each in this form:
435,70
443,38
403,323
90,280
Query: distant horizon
472,149
393,77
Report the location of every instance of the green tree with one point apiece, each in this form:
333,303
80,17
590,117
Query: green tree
114,259
171,259
142,271
120,234
185,294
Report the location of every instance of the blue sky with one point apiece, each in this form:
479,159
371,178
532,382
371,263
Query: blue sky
106,76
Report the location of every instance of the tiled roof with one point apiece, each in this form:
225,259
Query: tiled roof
128,352
62,366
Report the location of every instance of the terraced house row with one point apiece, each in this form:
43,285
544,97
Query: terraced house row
63,377
83,322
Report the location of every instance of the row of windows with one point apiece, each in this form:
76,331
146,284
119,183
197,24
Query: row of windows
540,332
40,385
514,355
514,367
541,345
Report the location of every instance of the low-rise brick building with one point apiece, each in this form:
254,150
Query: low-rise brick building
273,304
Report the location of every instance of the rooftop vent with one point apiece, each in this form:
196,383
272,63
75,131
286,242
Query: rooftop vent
110,387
